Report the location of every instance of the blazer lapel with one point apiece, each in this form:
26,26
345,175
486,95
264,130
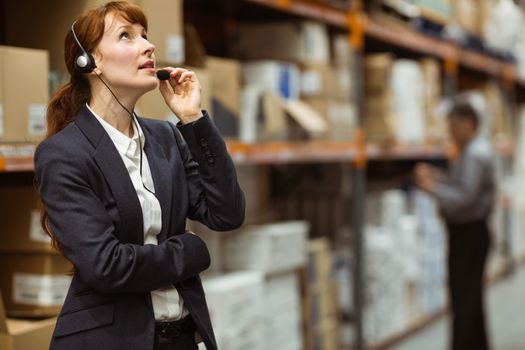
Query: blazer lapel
162,178
110,162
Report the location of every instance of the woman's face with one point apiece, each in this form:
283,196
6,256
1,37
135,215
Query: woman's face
124,57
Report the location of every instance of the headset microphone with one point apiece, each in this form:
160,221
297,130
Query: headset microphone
163,74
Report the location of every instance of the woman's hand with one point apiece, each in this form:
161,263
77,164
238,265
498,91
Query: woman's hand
184,96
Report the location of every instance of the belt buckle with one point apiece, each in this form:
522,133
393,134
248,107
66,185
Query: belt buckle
170,330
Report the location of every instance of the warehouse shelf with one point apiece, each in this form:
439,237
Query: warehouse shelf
406,152
399,36
291,152
410,39
19,157
16,157
319,12
325,151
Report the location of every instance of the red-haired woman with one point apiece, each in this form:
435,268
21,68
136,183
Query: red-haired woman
117,190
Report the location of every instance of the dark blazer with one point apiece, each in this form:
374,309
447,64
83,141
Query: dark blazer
96,216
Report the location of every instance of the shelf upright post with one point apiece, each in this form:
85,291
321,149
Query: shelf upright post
451,67
507,84
356,31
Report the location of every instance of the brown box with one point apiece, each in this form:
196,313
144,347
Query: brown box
340,115
225,82
152,105
20,228
34,284
319,260
318,80
24,94
305,41
325,336
165,29
470,14
54,18
321,302
17,334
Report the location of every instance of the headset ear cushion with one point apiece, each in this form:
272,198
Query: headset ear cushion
85,63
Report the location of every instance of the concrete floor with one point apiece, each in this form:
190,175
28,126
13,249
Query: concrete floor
506,319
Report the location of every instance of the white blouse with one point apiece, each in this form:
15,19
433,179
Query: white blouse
167,303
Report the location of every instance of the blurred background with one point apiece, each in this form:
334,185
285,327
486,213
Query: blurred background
326,107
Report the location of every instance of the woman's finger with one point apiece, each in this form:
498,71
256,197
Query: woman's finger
188,75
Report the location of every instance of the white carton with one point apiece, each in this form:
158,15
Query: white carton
268,248
283,78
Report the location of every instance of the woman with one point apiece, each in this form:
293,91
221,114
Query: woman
117,192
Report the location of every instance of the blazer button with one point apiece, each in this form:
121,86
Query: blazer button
203,142
211,160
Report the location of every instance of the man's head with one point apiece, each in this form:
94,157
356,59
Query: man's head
463,122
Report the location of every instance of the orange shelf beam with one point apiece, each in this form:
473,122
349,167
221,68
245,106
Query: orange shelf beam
15,158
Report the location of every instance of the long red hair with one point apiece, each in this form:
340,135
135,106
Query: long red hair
67,101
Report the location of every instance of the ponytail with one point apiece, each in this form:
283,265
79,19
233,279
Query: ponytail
65,104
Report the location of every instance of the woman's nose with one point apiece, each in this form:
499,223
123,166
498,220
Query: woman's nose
149,47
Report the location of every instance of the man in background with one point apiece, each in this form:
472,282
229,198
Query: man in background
465,197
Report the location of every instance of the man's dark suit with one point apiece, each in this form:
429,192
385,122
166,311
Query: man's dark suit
95,213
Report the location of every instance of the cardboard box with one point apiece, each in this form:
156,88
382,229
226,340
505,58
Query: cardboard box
152,104
165,29
340,116
17,334
23,104
469,14
20,226
274,76
305,42
268,248
54,18
235,299
321,302
341,51
34,284
240,338
318,80
325,336
225,77
319,260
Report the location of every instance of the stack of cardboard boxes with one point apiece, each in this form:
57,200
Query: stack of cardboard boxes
293,61
23,94
320,299
257,283
401,100
18,334
34,277
236,302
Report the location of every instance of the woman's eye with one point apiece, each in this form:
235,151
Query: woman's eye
145,36
124,35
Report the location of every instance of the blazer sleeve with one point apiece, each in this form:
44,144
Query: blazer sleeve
86,234
215,197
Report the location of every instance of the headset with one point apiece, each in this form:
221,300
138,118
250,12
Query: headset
85,63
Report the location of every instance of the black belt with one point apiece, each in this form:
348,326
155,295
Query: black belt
176,329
